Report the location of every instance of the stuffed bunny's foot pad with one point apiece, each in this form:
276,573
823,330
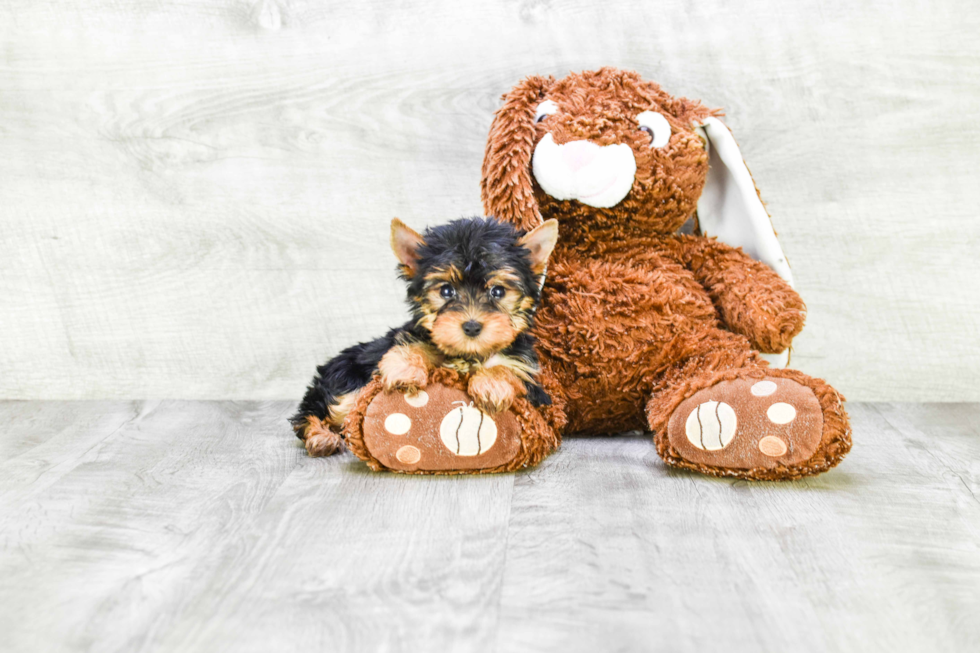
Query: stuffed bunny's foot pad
748,423
438,430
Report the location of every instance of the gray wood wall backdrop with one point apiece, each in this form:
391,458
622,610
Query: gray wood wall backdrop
195,196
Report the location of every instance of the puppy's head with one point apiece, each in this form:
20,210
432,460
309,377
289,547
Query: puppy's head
599,149
473,284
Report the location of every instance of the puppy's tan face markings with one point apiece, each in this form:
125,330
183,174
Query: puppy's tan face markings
497,304
497,332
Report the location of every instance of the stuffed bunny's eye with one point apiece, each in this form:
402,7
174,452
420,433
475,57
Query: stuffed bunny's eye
656,125
544,110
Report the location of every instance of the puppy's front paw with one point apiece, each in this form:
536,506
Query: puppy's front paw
492,392
406,379
402,371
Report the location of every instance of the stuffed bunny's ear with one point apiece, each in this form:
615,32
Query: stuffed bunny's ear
506,187
730,208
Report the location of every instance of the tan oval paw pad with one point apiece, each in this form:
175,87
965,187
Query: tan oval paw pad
772,446
398,424
408,454
781,413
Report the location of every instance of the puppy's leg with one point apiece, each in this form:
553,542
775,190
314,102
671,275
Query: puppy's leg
318,422
406,368
322,436
318,437
331,395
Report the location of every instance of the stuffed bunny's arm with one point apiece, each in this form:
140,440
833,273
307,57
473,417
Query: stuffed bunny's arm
751,298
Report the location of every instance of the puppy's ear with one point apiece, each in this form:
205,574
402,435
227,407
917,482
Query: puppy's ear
506,188
405,244
540,242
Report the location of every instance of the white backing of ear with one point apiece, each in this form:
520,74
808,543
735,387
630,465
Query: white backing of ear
730,209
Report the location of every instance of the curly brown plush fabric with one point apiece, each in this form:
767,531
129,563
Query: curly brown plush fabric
636,317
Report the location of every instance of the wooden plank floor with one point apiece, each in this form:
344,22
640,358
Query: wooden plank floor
197,526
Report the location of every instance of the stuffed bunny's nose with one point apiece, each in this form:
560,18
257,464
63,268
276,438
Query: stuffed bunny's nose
578,154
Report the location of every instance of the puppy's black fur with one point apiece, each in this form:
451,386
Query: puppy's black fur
475,249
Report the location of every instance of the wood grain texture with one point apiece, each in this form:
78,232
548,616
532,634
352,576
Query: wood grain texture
195,196
203,526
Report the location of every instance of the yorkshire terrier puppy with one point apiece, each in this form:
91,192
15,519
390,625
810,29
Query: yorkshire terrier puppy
473,287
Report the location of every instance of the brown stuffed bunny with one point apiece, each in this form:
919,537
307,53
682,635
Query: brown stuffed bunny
642,326
667,286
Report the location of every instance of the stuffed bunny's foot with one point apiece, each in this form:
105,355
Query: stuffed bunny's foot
438,429
759,424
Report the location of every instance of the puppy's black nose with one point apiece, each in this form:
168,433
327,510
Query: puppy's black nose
472,328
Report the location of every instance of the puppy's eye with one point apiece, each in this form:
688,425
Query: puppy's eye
544,110
447,292
498,292
656,126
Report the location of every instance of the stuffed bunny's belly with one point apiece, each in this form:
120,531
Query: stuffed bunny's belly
607,331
